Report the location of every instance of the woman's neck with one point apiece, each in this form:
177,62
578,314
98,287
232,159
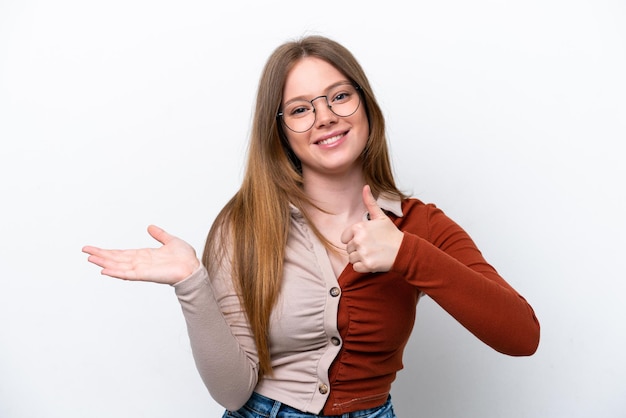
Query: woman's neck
337,194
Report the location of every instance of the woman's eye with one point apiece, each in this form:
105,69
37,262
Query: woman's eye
339,97
299,110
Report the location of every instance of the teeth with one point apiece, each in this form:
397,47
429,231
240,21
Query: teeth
330,140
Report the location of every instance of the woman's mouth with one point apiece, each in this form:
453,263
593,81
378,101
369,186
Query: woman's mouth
331,140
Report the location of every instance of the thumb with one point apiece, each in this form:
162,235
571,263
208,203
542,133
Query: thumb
372,207
159,234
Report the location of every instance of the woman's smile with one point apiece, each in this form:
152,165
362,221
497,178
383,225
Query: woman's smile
330,141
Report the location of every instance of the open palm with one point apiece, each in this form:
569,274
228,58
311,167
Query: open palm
168,264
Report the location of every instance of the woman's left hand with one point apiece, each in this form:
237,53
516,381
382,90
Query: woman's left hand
372,245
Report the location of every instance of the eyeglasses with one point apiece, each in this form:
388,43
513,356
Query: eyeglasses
299,115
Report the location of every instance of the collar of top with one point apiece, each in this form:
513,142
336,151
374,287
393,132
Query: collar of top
387,204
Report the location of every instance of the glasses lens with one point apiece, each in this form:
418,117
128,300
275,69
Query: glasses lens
343,100
299,115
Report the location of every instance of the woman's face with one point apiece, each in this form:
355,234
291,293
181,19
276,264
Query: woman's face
334,144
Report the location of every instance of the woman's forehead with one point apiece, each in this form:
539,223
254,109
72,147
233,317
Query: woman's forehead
310,76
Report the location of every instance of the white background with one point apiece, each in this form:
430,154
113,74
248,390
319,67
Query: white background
510,116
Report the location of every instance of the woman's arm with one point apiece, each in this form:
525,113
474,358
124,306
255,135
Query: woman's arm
447,266
221,341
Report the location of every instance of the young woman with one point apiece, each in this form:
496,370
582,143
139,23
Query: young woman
307,290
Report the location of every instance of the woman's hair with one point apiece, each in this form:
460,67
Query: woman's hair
250,233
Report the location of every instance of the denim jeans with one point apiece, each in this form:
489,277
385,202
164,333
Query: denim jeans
261,407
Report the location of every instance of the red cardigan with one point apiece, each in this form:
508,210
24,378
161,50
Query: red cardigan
377,310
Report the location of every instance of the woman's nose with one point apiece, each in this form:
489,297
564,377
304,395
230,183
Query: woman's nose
323,112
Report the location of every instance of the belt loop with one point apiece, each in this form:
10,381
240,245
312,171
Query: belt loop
275,409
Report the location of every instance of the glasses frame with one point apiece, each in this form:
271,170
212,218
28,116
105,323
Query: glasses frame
280,115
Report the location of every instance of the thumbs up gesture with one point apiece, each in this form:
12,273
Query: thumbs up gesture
372,245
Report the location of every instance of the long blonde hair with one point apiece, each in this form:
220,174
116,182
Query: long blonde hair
255,222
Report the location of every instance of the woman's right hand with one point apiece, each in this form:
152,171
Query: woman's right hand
172,262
